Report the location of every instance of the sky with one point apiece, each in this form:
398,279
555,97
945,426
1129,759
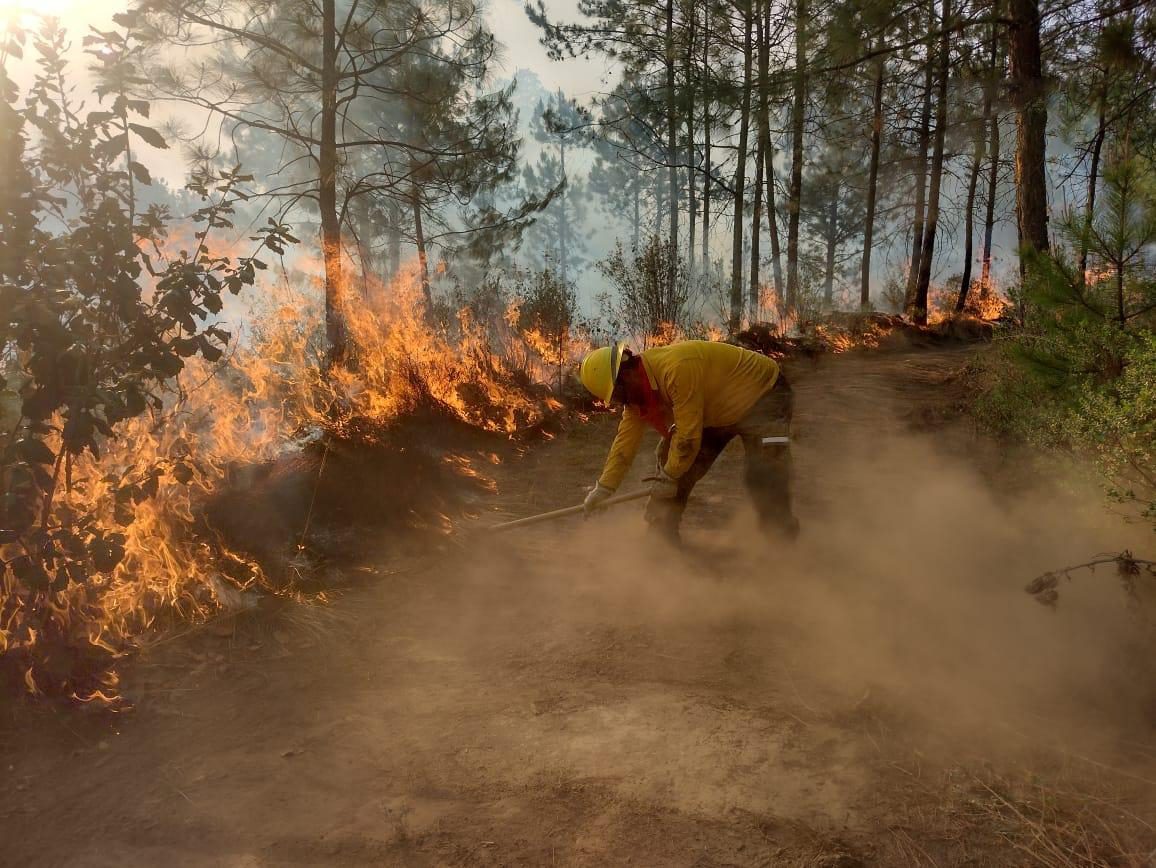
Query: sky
519,37
580,78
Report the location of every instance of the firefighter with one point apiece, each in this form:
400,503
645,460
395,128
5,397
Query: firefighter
698,395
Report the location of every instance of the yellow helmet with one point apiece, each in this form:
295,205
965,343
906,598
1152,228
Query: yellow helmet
599,370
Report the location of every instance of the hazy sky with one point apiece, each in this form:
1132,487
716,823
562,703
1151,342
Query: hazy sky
579,78
519,38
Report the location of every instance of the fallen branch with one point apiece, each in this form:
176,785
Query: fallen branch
1043,587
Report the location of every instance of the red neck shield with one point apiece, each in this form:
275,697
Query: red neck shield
652,409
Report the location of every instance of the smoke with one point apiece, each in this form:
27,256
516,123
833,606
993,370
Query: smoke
742,671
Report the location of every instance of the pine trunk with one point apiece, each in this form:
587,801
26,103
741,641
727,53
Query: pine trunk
671,135
969,227
692,203
736,316
762,155
636,222
1029,98
706,134
928,254
972,185
1093,180
563,214
419,239
773,225
832,243
992,178
394,251
872,185
769,167
798,120
921,174
327,188
989,216
756,227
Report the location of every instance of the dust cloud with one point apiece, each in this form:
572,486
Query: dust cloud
908,584
897,625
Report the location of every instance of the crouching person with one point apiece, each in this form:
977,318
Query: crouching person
698,395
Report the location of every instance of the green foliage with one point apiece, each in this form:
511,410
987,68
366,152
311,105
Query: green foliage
94,332
1081,373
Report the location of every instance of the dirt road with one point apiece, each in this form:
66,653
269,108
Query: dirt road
882,693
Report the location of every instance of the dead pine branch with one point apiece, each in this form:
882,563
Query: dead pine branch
1128,569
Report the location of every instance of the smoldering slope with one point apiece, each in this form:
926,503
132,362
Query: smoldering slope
905,593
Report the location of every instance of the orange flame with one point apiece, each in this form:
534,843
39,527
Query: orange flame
268,396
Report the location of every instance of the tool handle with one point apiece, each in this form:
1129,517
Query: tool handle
569,510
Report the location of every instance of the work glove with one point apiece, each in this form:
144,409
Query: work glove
663,486
595,498
660,453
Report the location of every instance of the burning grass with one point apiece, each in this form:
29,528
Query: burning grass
253,459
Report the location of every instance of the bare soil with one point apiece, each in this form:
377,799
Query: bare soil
882,693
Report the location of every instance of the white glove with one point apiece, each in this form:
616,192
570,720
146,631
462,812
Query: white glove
595,498
663,487
659,458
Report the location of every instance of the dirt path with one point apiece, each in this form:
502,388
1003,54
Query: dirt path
883,693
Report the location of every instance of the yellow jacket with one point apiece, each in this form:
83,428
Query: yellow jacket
703,385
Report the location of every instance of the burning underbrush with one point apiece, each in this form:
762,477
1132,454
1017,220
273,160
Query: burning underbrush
842,332
260,471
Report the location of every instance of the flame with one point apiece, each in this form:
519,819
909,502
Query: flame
1093,276
785,319
546,356
465,467
267,397
984,302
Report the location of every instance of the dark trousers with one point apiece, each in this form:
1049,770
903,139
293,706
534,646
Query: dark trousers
768,466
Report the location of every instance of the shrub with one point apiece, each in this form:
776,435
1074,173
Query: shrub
1080,374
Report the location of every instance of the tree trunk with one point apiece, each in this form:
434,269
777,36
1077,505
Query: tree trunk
364,252
928,254
832,243
773,225
1093,179
989,217
969,222
972,185
327,189
798,120
754,300
692,203
394,251
769,163
563,214
659,208
636,222
706,134
671,134
993,176
419,238
1029,98
872,183
736,317
921,173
